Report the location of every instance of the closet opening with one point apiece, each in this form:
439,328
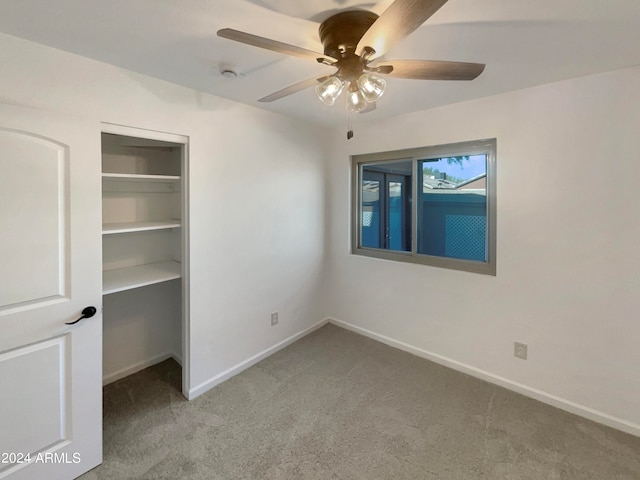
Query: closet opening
144,251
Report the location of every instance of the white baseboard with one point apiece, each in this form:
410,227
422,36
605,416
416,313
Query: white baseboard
553,400
176,357
233,371
136,367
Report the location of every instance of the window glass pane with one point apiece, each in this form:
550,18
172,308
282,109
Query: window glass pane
452,218
385,192
370,213
396,216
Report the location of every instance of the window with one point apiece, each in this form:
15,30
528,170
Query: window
432,205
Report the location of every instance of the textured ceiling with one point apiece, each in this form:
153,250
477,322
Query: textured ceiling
523,43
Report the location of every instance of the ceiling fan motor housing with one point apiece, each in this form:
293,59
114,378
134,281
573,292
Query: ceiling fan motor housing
341,33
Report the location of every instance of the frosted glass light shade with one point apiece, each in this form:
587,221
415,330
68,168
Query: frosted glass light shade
355,100
371,86
329,90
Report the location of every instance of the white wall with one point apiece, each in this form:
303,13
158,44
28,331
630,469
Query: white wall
568,260
256,195
568,248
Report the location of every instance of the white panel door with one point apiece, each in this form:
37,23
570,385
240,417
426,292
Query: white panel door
50,270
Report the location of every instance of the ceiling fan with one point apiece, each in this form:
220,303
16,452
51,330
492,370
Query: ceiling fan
352,40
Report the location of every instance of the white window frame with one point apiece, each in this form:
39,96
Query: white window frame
477,147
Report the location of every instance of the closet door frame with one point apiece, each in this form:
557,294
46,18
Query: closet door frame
183,140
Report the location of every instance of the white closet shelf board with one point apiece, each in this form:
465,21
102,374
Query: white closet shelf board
128,227
139,276
136,177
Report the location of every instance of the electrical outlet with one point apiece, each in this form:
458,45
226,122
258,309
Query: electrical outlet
274,319
520,350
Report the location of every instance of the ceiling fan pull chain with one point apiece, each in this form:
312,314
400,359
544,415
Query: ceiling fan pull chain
349,129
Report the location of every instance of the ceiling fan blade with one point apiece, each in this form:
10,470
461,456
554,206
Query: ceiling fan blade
296,87
433,69
268,44
400,19
383,69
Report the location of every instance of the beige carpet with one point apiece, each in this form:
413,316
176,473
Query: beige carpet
336,405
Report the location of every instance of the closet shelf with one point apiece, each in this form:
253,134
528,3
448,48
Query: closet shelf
135,177
139,276
113,228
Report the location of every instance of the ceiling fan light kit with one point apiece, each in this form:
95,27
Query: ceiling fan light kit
329,90
352,40
367,88
371,86
355,99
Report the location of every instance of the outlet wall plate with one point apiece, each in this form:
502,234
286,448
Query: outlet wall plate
274,319
520,350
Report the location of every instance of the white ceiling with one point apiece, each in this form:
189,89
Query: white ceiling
522,42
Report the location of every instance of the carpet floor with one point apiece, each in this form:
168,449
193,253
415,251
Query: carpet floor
336,405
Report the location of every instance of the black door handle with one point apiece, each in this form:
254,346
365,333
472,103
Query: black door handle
88,312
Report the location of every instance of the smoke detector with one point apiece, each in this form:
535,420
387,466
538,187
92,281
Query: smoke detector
228,71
